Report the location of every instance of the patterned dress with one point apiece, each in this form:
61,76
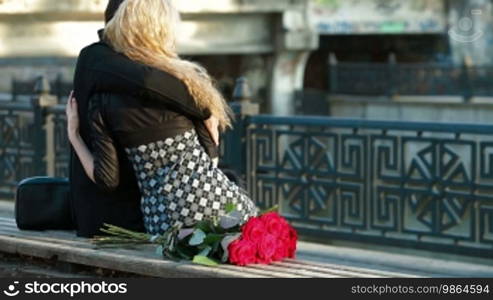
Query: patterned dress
180,184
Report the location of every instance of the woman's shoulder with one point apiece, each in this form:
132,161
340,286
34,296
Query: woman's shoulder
94,48
97,51
121,74
102,56
157,80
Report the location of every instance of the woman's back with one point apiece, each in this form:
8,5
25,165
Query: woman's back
135,121
178,181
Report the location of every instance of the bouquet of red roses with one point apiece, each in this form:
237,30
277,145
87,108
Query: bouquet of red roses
261,240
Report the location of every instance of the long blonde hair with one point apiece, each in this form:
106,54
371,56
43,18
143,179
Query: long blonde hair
145,31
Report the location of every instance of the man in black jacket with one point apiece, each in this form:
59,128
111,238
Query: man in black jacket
92,206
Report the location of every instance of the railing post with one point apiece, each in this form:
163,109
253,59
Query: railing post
58,87
392,76
13,87
235,151
466,79
333,73
44,144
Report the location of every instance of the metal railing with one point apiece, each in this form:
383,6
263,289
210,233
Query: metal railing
58,87
420,185
33,139
423,79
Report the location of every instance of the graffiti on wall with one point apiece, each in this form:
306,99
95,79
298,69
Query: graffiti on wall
378,16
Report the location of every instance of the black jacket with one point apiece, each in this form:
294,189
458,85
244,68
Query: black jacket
118,121
102,71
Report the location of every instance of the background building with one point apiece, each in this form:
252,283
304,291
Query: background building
280,45
267,41
403,60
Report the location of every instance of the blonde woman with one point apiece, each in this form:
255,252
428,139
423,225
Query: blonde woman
163,140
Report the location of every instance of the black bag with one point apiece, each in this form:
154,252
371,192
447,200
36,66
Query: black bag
43,203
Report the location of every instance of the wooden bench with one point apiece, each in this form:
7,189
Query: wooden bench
144,261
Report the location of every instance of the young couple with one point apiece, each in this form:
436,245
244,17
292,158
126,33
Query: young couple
144,126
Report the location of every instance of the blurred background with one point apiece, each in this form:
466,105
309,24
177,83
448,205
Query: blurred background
318,48
398,182
282,46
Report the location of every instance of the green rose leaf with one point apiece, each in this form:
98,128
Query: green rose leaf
230,220
205,226
183,233
215,246
205,261
183,252
230,207
212,238
197,238
225,244
205,252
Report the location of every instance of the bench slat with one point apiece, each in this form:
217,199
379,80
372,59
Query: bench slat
296,271
143,260
328,271
113,260
356,270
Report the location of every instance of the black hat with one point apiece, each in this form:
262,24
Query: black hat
111,9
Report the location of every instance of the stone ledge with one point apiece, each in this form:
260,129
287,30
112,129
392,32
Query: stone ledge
410,99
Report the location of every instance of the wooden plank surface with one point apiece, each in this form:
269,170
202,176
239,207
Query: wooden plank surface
142,260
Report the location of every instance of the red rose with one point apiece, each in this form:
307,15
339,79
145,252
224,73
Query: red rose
242,252
254,230
281,250
293,239
285,232
264,239
267,248
274,223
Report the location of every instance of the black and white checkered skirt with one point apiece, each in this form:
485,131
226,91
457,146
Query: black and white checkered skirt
180,184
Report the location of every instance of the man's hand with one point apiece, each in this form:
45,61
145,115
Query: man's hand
72,117
212,125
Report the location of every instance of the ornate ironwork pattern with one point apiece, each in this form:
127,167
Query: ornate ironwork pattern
62,145
422,184
427,185
18,150
16,146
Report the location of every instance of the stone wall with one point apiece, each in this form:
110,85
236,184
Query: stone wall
379,16
264,36
471,31
422,109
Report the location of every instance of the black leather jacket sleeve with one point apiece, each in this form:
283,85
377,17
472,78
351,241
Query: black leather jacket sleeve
205,139
106,163
115,73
